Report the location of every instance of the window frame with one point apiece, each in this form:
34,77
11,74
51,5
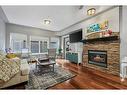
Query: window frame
43,44
38,38
18,37
31,46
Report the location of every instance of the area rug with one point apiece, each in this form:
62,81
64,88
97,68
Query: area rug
41,78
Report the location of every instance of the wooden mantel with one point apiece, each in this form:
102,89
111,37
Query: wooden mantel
109,38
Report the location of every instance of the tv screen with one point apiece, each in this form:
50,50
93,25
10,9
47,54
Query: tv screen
76,37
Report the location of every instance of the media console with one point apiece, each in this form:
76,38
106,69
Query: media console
74,57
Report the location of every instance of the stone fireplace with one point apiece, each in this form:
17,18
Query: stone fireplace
103,55
97,57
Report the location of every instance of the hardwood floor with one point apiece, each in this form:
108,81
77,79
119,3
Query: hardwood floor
86,78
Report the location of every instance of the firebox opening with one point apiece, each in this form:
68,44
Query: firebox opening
97,57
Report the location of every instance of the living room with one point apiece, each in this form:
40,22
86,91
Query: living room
84,49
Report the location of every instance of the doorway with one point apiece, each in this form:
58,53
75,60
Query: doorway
66,45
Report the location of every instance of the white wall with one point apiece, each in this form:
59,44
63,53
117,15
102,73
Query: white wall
111,15
17,36
29,31
3,19
2,34
123,32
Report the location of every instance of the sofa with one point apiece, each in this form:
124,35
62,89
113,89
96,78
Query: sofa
20,77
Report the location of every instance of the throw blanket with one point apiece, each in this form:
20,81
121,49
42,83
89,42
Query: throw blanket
8,68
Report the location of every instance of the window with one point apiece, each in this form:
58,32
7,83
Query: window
35,46
17,42
39,44
54,43
17,45
43,46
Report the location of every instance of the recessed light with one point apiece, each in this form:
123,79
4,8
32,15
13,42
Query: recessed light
47,21
91,11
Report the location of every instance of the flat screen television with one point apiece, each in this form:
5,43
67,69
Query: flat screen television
76,36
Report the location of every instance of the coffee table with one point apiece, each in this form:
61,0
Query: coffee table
47,63
32,61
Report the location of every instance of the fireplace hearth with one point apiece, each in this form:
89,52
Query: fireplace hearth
97,57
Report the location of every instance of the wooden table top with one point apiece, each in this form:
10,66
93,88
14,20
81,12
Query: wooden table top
47,63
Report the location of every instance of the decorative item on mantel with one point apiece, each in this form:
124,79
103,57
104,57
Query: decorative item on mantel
102,29
106,33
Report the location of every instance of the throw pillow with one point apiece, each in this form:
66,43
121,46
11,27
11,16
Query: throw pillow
10,55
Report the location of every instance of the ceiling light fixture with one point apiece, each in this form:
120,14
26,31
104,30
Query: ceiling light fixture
47,21
91,11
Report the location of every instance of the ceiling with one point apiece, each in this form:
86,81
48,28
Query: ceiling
60,16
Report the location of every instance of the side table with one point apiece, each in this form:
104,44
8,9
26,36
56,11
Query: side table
123,70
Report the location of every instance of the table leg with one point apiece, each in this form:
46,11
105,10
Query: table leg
123,72
124,75
36,65
53,67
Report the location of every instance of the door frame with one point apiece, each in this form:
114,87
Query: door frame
64,49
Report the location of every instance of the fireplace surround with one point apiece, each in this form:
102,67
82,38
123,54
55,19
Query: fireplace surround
112,48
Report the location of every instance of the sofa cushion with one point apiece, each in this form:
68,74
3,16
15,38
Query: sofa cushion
14,80
5,71
2,55
16,59
24,67
8,69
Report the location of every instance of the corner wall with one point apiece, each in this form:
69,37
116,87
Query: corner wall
123,32
3,19
2,34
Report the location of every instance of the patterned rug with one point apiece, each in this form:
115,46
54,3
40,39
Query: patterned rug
42,78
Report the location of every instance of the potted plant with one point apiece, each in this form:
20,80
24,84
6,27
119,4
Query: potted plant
60,51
